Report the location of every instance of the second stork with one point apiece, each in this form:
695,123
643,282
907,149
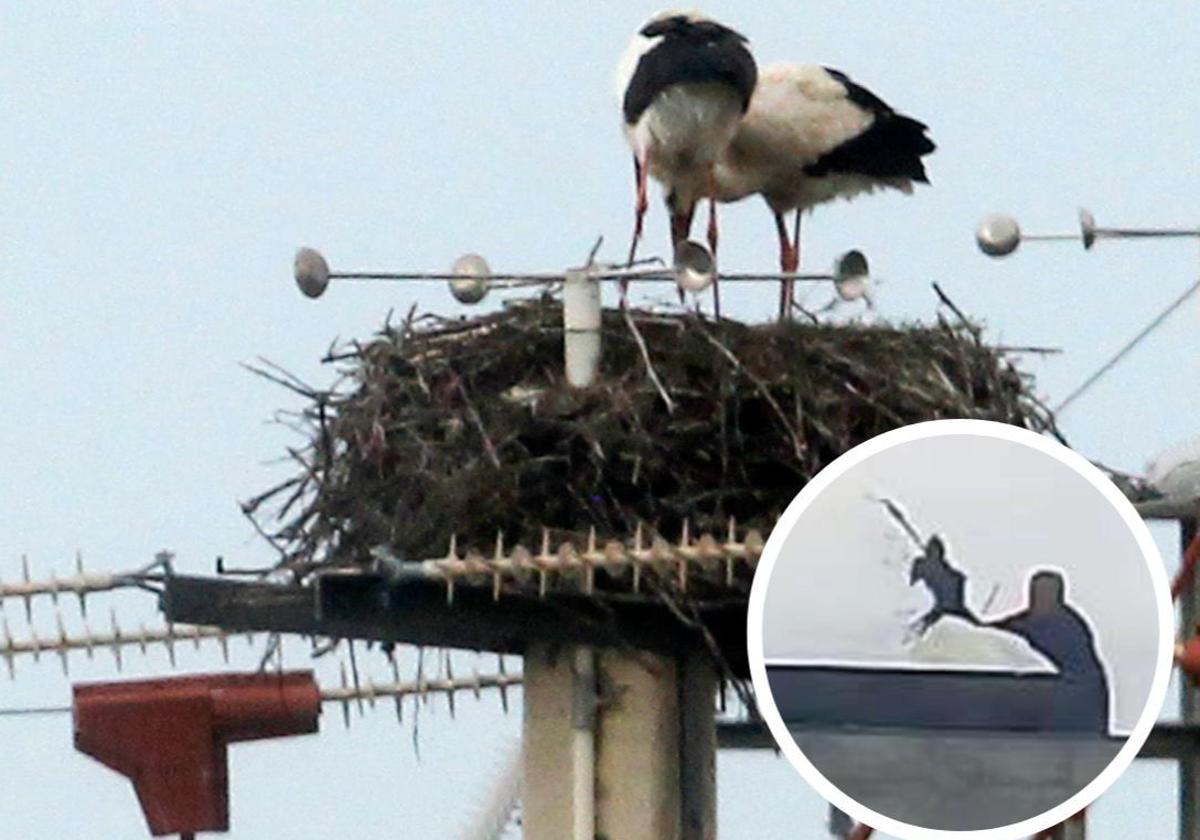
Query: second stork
812,135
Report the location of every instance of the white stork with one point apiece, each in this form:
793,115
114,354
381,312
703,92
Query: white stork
685,81
811,135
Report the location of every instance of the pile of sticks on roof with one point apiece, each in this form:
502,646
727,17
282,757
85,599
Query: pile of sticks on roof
466,427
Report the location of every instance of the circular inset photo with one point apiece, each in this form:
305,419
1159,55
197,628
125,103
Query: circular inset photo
960,626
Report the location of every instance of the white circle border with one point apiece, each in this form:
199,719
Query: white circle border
939,428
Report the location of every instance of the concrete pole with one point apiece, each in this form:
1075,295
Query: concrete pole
553,807
1074,828
638,791
653,743
1189,700
698,745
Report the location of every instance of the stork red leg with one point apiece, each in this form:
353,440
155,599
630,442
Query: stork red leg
787,264
791,284
640,174
796,240
712,240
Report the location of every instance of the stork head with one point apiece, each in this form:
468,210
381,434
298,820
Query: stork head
1047,591
689,26
647,36
678,22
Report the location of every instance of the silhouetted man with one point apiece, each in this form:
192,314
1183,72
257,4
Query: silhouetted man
1056,630
1048,624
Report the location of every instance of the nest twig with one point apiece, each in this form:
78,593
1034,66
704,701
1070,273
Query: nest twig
467,427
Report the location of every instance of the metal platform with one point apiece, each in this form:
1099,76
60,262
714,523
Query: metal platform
368,606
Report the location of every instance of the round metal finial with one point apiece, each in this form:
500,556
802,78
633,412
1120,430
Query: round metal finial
312,272
694,267
852,276
998,235
471,285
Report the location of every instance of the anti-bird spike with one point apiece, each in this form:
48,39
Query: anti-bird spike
705,550
451,554
141,637
116,639
449,681
89,640
35,645
62,642
496,559
25,576
169,641
589,570
195,634
503,685
354,672
396,679
421,691
368,693
81,583
420,665
346,700
80,592
9,656
543,578
475,674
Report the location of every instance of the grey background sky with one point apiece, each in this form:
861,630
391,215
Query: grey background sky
160,162
1004,509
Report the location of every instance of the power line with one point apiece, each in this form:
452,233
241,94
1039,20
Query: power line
1124,351
25,711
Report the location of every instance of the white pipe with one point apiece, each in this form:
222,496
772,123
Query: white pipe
581,324
583,745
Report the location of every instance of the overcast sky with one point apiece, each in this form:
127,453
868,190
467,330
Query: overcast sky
839,591
160,162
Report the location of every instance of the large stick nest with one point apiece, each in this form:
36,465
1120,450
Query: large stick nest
467,427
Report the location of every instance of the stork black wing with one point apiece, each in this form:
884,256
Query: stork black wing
891,147
689,52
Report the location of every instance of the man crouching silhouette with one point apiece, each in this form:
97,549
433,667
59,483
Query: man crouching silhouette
1054,628
1060,633
1049,625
